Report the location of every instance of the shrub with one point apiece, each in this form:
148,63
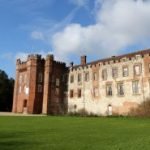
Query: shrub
143,109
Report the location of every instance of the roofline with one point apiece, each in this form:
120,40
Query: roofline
128,55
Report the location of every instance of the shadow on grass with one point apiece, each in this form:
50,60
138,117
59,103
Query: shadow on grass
12,141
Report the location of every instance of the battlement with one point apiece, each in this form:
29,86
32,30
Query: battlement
60,63
34,56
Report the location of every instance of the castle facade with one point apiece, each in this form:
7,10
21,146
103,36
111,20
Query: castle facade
103,87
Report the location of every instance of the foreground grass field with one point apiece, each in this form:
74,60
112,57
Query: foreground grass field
74,133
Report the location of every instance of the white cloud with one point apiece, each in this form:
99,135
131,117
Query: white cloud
119,23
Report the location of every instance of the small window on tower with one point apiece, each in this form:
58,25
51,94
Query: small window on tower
20,79
149,67
40,88
40,77
57,82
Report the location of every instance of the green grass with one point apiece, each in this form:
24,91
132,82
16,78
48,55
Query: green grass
74,133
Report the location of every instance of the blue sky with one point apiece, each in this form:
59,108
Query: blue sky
70,28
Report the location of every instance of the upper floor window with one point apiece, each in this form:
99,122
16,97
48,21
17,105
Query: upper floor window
95,76
71,78
135,87
125,71
57,81
40,77
79,77
109,89
71,94
120,89
86,76
104,74
79,93
115,72
137,69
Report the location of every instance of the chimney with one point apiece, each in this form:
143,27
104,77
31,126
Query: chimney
83,60
71,64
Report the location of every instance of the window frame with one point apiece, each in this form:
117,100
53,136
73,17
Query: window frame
119,92
125,73
140,69
114,72
109,93
104,74
135,87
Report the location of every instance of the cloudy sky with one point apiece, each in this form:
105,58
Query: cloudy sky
71,28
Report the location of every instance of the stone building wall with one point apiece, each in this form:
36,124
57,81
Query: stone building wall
94,98
108,86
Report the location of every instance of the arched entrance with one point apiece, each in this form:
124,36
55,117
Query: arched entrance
25,106
109,108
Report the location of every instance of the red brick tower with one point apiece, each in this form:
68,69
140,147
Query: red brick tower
54,87
28,92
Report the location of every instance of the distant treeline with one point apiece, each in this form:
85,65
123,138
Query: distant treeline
6,91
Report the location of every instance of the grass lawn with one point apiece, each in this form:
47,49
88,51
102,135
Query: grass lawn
74,133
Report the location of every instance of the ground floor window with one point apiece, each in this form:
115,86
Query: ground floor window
109,90
135,87
120,89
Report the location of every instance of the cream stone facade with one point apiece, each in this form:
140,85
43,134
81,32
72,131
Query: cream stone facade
120,83
103,87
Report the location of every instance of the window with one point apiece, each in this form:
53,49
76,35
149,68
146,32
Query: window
95,76
57,91
114,72
71,93
125,71
104,74
79,77
20,79
71,78
57,81
149,67
86,76
95,92
39,88
120,89
79,93
109,89
40,77
135,87
137,69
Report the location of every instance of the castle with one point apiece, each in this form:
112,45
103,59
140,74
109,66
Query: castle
103,87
